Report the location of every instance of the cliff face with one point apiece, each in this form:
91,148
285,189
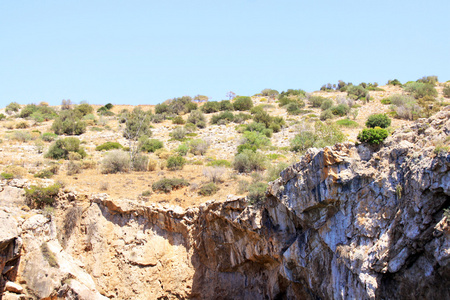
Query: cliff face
345,222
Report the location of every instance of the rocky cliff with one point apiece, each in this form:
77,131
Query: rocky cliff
345,222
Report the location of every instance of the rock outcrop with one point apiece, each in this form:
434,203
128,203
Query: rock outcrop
345,222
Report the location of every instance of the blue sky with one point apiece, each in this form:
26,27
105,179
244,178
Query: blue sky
144,52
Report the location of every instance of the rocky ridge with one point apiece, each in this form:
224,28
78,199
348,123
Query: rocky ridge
345,222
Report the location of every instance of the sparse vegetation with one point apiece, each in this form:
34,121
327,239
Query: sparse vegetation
167,185
320,135
12,107
41,196
49,256
208,189
248,161
198,147
347,123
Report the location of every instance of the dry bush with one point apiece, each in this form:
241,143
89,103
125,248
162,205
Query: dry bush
74,156
88,164
104,186
22,125
17,171
152,164
116,161
73,168
162,153
214,174
10,125
21,136
71,219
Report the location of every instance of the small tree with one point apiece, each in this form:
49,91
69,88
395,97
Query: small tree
137,124
12,107
243,103
231,95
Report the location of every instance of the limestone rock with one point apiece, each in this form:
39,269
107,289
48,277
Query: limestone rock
13,287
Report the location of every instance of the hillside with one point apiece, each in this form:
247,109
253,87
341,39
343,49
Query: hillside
24,149
343,222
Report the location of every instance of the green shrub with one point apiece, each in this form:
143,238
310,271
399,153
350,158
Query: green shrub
322,135
405,107
157,118
219,163
293,108
326,114
257,192
243,103
178,120
256,139
385,101
317,101
303,141
259,127
2,117
182,149
241,117
61,148
44,174
378,120
211,107
226,105
394,82
150,145
41,196
178,133
12,107
347,123
446,91
373,135
356,92
429,79
222,118
167,185
84,109
137,124
198,147
116,161
327,104
208,189
108,146
269,93
197,118
7,176
69,123
340,109
248,161
273,172
175,162
419,89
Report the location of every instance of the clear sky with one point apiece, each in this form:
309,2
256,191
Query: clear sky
144,52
